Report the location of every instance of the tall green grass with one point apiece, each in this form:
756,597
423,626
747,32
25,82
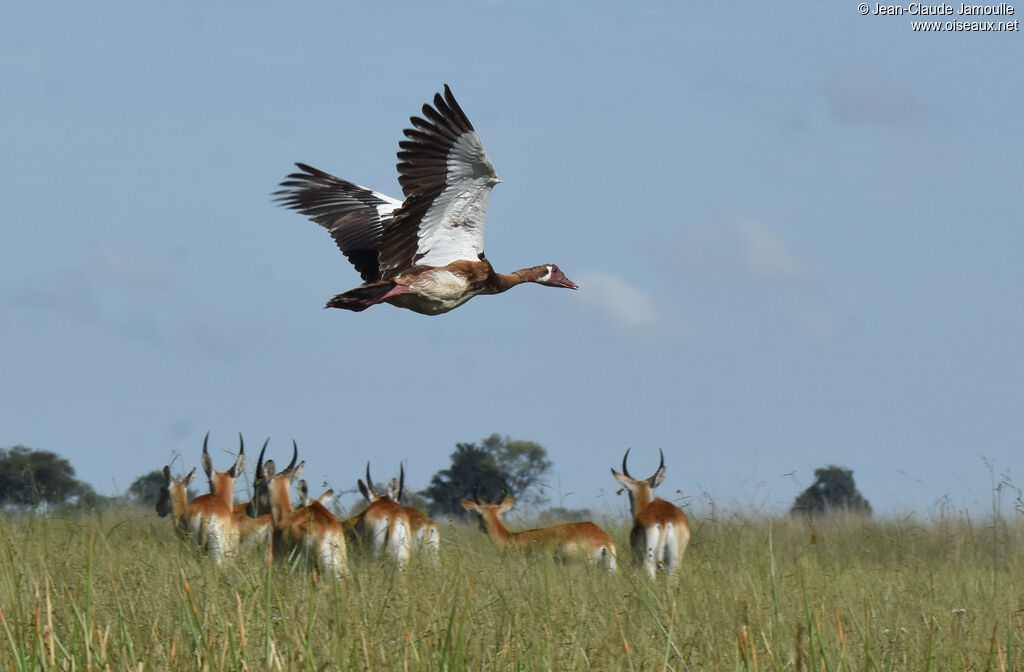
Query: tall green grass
119,591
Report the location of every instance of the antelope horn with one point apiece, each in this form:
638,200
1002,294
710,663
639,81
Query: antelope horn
476,493
259,460
401,482
295,456
369,481
206,460
625,471
661,465
240,460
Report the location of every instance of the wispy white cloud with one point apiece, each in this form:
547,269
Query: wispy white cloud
765,255
747,258
740,253
627,307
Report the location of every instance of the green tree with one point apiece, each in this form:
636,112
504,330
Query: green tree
522,463
833,490
496,467
31,477
145,490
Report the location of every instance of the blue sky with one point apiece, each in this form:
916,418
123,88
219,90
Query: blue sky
796,231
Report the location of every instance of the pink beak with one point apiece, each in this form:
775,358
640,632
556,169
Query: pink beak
558,279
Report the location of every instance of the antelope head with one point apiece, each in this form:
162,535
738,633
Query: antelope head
641,491
221,481
394,489
174,495
260,503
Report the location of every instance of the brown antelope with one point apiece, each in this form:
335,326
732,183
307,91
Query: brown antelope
255,514
253,530
382,524
425,536
222,488
571,540
312,529
660,530
260,503
207,518
174,500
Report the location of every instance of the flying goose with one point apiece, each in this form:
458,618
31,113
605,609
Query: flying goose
425,253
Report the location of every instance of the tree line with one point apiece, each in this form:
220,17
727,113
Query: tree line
490,469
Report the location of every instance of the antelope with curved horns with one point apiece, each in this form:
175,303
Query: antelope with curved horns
570,540
425,536
259,505
660,530
312,529
243,528
207,518
382,523
253,529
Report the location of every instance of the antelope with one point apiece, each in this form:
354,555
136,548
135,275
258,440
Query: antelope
174,500
207,518
253,529
425,536
259,505
660,530
258,508
222,487
570,540
382,523
312,529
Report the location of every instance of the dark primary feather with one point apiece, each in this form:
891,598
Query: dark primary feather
428,145
346,210
423,174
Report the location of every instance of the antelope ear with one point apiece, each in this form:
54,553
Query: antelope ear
297,471
238,466
506,504
468,505
658,477
623,479
188,479
269,469
362,489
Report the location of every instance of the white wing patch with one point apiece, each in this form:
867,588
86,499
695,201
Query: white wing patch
385,209
453,226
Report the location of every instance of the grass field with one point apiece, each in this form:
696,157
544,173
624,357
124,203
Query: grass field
117,590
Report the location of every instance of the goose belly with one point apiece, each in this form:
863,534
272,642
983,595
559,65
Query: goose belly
435,292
